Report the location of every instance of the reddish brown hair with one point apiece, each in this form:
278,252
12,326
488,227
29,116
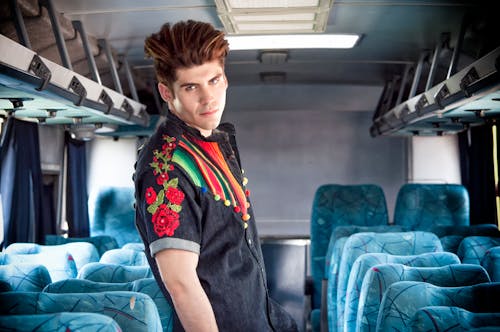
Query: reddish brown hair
183,45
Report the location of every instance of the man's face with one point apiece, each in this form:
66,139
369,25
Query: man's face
199,96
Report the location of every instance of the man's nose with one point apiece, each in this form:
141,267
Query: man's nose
206,95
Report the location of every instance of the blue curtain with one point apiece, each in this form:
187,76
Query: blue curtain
21,183
77,213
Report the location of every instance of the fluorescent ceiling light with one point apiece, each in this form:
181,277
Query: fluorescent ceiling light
271,3
266,42
264,27
275,17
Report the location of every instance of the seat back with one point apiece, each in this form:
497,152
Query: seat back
442,318
379,277
114,215
147,286
402,299
59,264
25,277
398,243
472,249
336,205
102,243
132,310
422,206
82,252
332,262
452,236
139,246
60,321
491,263
114,273
125,257
367,261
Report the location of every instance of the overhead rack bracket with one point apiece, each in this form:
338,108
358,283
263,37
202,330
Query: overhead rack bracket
41,71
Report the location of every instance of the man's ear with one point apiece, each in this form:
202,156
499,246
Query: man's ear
165,92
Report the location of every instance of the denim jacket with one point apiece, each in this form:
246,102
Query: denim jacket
191,195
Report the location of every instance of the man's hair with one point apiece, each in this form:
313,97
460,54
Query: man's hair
183,45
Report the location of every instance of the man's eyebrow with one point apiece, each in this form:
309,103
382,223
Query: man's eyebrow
187,84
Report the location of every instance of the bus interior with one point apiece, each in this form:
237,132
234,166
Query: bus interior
385,146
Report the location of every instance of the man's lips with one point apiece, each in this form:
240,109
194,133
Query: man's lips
209,112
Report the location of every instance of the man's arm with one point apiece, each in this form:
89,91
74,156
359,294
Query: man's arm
178,272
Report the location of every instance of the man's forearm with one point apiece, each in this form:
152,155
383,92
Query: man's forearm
178,272
193,308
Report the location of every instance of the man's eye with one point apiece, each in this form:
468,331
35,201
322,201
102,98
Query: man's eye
215,80
189,87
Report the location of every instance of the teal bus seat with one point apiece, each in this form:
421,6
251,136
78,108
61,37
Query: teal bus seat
82,252
379,277
453,319
366,262
148,286
402,300
125,257
60,321
102,243
422,206
114,215
102,272
59,264
398,243
337,205
472,249
133,311
25,277
332,262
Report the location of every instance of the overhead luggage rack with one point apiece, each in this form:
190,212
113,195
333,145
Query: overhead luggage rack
32,87
470,97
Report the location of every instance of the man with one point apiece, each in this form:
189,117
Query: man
193,211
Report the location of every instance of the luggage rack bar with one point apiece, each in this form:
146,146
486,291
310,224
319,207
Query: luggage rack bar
23,73
450,106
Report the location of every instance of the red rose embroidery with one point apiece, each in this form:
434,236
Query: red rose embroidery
165,221
165,216
150,195
174,195
162,178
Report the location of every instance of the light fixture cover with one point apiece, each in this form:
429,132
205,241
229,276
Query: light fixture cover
273,16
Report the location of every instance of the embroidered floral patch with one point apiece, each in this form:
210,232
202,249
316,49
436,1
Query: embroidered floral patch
166,204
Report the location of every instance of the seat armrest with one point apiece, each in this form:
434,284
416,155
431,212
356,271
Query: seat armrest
308,286
324,313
